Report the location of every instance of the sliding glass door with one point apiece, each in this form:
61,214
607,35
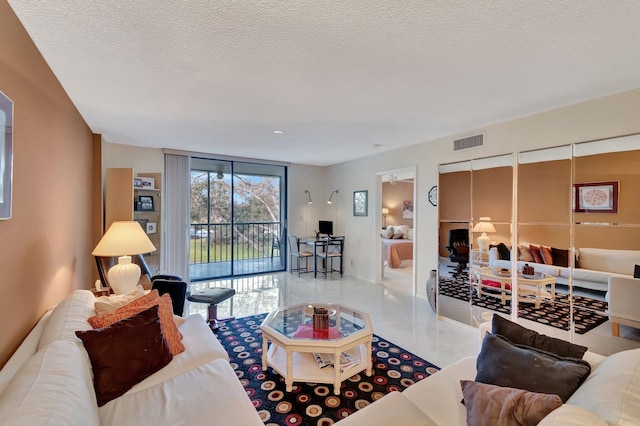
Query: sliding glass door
237,218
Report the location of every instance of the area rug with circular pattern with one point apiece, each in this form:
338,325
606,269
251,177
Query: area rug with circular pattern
588,313
394,369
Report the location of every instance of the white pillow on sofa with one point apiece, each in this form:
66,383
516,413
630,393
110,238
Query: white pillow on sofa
54,387
107,304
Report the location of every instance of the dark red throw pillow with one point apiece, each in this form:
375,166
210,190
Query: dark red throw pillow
125,353
535,252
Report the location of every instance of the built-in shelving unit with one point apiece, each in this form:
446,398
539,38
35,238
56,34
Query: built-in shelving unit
122,202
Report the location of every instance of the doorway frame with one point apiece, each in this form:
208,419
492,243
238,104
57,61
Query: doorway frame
413,171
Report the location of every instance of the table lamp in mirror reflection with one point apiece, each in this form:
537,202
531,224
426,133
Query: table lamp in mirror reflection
484,225
122,240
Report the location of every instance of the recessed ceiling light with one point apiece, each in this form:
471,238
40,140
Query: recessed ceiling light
278,132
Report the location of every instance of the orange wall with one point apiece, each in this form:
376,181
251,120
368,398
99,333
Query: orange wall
45,247
392,197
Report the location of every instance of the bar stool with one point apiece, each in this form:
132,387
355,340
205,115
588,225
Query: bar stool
213,296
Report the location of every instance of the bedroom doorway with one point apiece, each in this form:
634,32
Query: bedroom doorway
397,212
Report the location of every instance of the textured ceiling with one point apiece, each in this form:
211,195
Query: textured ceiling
342,79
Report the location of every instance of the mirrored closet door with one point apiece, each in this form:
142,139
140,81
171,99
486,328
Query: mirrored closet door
545,231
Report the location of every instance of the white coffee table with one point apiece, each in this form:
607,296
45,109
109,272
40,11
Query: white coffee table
534,286
293,342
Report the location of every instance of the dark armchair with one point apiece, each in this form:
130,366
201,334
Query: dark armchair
459,248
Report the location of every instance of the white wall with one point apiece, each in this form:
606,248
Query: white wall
598,119
303,218
142,160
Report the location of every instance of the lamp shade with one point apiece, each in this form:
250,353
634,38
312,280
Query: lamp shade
484,225
124,238
385,210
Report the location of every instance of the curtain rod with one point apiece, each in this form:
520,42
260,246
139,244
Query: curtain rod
223,157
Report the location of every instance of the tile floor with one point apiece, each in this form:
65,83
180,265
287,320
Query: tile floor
396,315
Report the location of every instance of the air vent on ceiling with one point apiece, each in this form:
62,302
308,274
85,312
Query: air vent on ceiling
466,143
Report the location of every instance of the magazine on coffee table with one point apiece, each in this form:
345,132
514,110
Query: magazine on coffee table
328,360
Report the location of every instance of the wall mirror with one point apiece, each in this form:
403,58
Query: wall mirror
475,214
570,215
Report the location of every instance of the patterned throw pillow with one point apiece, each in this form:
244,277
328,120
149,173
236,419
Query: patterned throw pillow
388,233
165,309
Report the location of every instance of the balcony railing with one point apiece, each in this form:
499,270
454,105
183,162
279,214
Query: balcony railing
213,242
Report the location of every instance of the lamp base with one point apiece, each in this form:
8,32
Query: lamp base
483,242
124,276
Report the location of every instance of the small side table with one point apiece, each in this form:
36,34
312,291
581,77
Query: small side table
105,291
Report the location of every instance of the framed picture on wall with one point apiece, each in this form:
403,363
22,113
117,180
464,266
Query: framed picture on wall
145,203
360,203
6,155
596,197
151,228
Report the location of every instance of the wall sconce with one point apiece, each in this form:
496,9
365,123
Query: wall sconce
309,201
329,201
385,212
484,225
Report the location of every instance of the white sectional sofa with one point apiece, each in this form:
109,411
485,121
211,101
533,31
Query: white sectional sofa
595,267
609,396
49,379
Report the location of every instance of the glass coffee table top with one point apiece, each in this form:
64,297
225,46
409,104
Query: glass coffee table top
296,322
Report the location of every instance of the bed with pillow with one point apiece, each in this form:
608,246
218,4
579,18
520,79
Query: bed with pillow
68,371
397,245
520,377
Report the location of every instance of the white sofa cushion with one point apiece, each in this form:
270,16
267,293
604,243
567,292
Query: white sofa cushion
392,409
208,394
613,389
201,347
445,409
70,315
54,387
588,275
617,261
572,415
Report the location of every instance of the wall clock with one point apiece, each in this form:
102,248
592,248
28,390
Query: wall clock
433,195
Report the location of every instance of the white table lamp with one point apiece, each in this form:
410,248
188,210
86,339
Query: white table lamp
484,225
123,239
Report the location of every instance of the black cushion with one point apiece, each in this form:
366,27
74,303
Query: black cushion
212,296
504,251
520,335
636,271
560,257
502,363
